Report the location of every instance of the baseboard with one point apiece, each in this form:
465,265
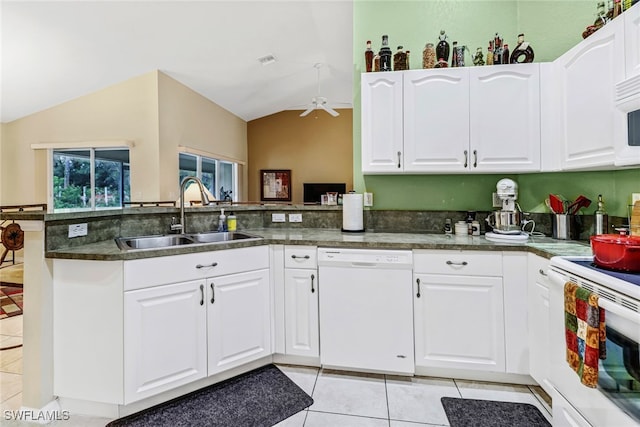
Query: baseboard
471,375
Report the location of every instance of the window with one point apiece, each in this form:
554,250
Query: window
90,179
220,177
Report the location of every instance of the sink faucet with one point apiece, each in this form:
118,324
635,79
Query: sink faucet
205,201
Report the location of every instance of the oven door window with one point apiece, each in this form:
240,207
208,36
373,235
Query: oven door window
619,373
633,121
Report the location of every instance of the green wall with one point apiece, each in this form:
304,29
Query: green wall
552,27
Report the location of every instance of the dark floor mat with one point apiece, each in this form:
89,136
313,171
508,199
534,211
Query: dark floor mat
262,397
490,413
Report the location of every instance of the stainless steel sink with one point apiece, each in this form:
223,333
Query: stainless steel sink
216,237
153,242
172,240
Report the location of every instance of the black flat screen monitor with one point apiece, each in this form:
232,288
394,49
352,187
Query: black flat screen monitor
312,192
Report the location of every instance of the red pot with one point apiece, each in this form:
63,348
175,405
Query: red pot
616,252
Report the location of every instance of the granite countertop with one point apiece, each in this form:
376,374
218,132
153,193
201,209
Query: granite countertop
543,246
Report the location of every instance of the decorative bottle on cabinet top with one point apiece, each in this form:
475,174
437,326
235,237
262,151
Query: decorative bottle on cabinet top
400,60
368,57
442,49
385,54
478,59
523,51
429,56
454,55
490,54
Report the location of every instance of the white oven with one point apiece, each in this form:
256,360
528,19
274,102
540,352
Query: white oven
616,400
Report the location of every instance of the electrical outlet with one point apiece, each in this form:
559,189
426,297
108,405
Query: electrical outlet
77,230
368,199
496,202
295,217
278,217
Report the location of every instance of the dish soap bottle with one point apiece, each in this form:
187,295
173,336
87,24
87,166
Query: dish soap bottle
601,219
222,221
232,223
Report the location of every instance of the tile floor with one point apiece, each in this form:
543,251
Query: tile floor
340,398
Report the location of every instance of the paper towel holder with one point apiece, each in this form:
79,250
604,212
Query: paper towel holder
352,215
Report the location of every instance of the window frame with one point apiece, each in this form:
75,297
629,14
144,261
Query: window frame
217,161
92,146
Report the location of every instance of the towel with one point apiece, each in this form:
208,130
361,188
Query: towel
584,332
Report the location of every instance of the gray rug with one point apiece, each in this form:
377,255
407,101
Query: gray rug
260,398
489,413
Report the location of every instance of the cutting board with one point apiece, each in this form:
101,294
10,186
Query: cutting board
634,223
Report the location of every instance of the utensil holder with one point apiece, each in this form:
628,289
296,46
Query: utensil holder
566,227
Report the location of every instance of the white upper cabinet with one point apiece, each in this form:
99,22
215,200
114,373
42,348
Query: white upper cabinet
454,120
436,120
505,118
589,125
382,122
632,41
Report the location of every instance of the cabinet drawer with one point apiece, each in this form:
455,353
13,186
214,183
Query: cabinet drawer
144,273
465,263
300,257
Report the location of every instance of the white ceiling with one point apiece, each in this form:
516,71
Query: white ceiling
54,51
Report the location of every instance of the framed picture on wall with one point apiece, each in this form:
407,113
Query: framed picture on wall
275,185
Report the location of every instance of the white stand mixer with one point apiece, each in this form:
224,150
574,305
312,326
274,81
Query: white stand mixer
508,220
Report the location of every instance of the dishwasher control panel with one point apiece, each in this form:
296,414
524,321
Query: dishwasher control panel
380,258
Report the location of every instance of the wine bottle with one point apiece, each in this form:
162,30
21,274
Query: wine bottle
385,54
368,57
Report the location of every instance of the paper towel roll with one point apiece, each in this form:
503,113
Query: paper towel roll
352,217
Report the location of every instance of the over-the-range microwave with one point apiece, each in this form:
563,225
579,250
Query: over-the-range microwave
628,101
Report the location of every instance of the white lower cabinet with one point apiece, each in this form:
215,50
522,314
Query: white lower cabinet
538,311
238,319
459,316
302,337
131,327
165,337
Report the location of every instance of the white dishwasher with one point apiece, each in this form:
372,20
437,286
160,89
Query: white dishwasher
366,309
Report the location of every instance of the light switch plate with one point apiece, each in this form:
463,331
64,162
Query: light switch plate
368,199
77,230
278,217
295,217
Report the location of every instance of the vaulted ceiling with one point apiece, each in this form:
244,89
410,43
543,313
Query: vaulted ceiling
55,51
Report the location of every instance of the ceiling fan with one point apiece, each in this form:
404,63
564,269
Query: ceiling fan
319,101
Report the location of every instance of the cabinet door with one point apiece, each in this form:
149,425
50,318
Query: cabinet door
381,122
505,118
590,125
238,319
301,312
459,322
538,310
632,41
436,120
165,338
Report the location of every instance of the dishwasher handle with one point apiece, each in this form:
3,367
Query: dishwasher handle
363,264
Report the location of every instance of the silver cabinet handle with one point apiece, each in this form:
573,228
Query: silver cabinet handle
213,293
542,272
399,155
466,158
213,264
475,158
457,263
313,276
418,283
298,256
201,294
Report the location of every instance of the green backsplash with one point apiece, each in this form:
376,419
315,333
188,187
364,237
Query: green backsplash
552,27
